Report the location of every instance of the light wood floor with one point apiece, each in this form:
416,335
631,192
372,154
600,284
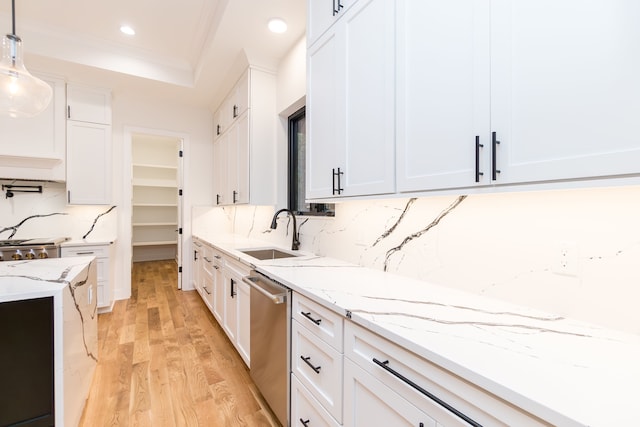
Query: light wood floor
164,361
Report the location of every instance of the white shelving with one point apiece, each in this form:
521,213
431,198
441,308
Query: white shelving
155,204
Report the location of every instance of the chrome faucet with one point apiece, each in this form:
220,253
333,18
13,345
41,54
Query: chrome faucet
295,243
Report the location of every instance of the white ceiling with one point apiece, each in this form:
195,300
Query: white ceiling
186,51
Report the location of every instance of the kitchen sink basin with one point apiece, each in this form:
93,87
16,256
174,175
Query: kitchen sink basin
268,253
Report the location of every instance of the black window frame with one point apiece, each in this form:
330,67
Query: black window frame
314,209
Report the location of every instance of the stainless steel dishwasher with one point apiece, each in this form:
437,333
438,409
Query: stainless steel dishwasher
270,341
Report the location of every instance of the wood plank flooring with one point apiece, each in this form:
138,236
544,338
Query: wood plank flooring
163,360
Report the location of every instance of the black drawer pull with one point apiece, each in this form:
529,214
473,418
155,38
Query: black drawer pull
304,423
385,365
494,161
308,316
478,147
315,368
206,290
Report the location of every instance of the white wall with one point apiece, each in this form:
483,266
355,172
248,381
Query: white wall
196,125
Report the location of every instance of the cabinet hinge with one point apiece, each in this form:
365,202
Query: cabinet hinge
180,230
180,192
180,153
180,269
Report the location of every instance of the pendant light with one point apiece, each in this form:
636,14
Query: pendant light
21,94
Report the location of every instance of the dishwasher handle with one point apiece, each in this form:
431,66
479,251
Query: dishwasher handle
255,283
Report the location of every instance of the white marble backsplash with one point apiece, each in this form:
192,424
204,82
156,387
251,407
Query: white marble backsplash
46,214
506,245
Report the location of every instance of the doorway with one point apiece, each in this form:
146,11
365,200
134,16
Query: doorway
156,198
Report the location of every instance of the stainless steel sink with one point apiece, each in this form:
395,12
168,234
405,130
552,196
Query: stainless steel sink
267,253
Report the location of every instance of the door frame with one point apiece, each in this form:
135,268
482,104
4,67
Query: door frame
127,193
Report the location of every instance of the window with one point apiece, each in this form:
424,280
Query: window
297,168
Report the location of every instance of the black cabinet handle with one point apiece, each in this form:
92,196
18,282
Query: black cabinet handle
218,130
233,290
385,365
494,162
478,147
308,316
338,189
315,368
217,199
68,111
235,111
235,198
337,10
304,423
195,255
206,290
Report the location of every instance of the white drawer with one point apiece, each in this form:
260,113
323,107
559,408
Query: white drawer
207,291
363,346
96,251
319,367
101,296
306,410
322,322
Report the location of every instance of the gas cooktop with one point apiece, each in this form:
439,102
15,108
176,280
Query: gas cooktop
33,242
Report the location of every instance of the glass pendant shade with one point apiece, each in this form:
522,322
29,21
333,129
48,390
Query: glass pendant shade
21,94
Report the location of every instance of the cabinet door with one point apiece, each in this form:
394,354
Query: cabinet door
243,160
367,97
243,343
34,148
230,323
321,14
442,93
240,96
88,163
219,294
565,93
325,139
195,264
90,105
368,402
220,165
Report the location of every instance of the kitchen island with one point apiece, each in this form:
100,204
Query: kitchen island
70,283
557,370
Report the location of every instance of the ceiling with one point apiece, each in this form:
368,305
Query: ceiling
185,51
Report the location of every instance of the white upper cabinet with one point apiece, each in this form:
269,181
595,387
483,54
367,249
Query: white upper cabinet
34,148
565,95
87,104
442,93
321,14
88,146
350,100
497,92
244,151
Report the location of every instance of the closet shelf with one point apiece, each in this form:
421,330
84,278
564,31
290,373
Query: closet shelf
169,183
156,205
152,166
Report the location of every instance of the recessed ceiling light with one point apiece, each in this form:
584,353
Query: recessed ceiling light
277,25
128,30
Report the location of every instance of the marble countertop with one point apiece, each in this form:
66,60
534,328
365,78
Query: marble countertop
567,372
38,278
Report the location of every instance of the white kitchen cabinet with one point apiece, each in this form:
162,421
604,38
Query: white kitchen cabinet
564,101
88,104
442,94
316,362
306,410
552,106
88,163
88,145
414,381
244,151
243,335
218,287
196,263
322,14
369,402
104,253
34,148
350,97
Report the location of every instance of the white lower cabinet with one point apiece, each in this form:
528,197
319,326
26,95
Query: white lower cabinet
306,411
218,280
104,255
368,402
